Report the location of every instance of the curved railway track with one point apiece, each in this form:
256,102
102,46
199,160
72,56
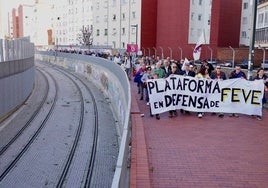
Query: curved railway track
34,136
5,147
63,175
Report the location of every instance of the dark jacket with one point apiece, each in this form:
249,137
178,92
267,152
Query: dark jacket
190,73
214,75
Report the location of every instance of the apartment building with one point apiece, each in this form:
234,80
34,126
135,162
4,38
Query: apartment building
116,23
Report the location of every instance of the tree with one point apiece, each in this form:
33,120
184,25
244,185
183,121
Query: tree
85,37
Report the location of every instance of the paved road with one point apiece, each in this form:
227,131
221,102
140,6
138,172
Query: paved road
189,152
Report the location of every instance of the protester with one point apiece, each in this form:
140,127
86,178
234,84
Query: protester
262,76
218,75
128,66
145,77
208,66
186,71
237,73
158,70
137,79
117,59
166,67
203,73
157,116
173,71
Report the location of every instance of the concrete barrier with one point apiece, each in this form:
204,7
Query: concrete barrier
112,80
17,74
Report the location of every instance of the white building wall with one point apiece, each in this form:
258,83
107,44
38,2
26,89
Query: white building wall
245,22
117,17
199,20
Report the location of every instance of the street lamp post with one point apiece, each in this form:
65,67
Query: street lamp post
263,57
211,53
143,51
252,39
170,51
155,52
149,51
233,55
180,51
162,54
136,26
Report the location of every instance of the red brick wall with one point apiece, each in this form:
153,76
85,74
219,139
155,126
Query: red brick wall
166,24
240,54
148,23
172,27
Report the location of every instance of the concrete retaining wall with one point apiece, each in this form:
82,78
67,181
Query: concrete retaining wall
112,80
17,74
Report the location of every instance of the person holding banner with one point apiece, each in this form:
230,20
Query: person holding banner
218,75
203,73
237,73
262,76
186,72
173,70
146,76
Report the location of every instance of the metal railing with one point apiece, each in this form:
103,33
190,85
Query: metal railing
16,49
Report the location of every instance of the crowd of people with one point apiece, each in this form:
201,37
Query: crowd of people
157,68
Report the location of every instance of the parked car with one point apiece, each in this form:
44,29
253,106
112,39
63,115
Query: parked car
214,61
243,64
265,64
227,63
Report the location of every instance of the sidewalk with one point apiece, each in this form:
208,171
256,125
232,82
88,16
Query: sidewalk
189,152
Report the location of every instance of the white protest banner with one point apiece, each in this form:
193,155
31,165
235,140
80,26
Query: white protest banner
205,95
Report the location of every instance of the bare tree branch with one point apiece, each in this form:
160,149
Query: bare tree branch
85,37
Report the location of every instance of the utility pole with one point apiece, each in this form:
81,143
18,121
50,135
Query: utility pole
252,39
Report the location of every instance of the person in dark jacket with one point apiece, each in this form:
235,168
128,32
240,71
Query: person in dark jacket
186,72
218,75
261,76
173,70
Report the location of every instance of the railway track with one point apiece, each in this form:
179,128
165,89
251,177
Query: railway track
82,135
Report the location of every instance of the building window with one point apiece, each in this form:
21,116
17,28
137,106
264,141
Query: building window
114,17
114,31
105,18
105,32
244,20
245,5
192,16
123,44
133,30
98,32
192,32
260,20
123,31
123,16
244,34
266,19
199,17
134,15
200,2
114,3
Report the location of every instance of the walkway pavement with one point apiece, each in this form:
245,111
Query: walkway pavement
189,152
